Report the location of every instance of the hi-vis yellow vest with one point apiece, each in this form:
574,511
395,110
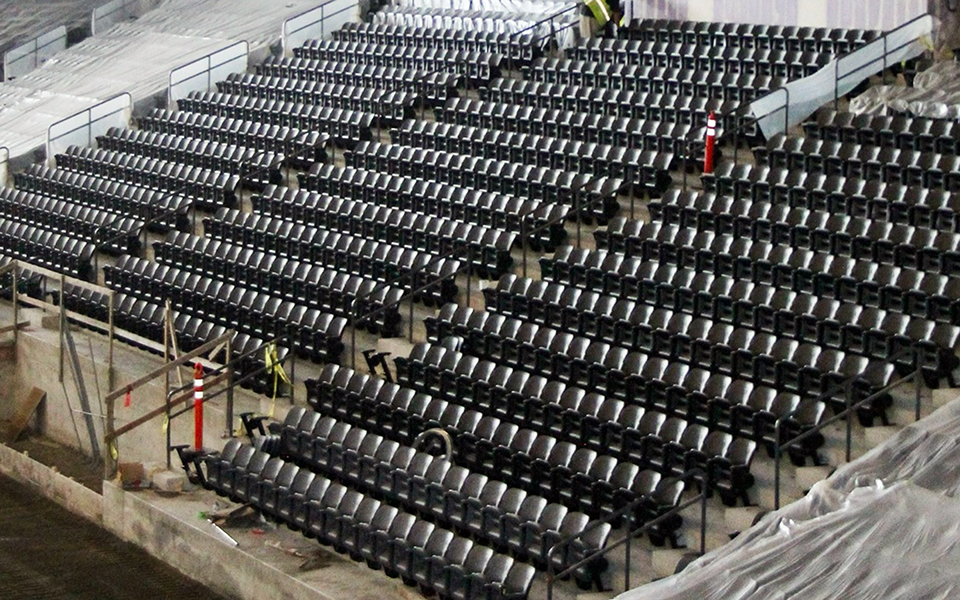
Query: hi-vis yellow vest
600,9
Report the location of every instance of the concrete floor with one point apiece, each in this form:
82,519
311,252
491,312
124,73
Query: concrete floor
47,553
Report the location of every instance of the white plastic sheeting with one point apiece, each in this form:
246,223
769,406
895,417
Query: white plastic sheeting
886,526
478,20
936,93
107,15
839,77
134,57
544,7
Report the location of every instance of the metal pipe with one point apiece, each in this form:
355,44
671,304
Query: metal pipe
438,431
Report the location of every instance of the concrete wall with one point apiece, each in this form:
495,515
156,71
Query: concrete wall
869,14
61,489
60,418
196,552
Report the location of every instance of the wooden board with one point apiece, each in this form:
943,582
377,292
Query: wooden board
10,430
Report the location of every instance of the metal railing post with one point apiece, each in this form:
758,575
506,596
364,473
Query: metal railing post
110,331
229,358
917,383
353,336
293,371
16,307
626,552
777,458
849,402
523,242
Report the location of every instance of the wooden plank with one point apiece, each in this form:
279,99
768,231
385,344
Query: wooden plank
10,328
10,430
175,401
169,366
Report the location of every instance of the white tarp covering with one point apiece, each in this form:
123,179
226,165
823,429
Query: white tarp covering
134,57
493,21
810,93
884,527
935,93
318,23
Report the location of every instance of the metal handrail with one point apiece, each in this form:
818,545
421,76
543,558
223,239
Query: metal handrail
886,53
209,69
628,511
227,369
846,385
310,24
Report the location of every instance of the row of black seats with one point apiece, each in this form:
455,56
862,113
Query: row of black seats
263,137
791,64
215,156
644,436
576,299
663,353
232,306
538,463
645,132
599,102
898,131
487,250
601,420
435,88
207,188
539,223
453,567
147,319
883,242
300,104
85,222
855,196
169,210
435,488
596,196
599,160
740,35
516,49
321,289
296,248
60,252
476,68
736,87
862,282
909,167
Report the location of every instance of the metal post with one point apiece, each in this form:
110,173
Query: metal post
293,376
683,148
469,273
703,515
626,553
410,338
110,331
523,242
777,456
16,309
849,401
579,208
229,367
62,317
353,338
917,382
166,376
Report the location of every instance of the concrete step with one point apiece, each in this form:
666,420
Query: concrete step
944,396
741,518
806,477
877,435
664,562
597,596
